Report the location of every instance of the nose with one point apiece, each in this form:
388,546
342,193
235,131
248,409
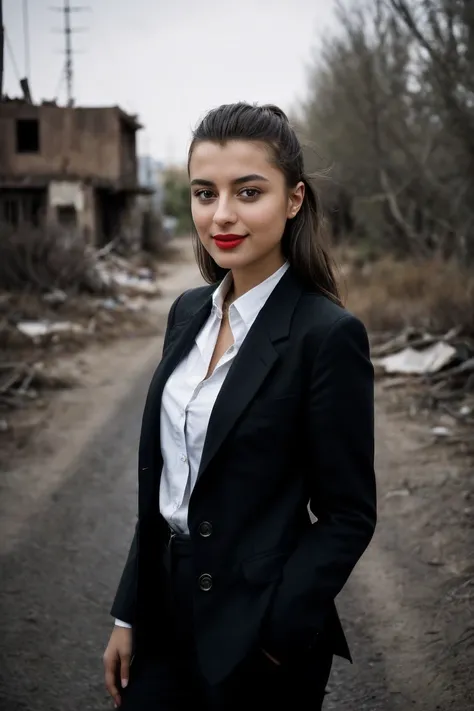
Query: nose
224,214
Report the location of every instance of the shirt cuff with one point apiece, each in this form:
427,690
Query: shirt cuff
121,623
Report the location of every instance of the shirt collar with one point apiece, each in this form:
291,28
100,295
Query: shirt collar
249,304
221,292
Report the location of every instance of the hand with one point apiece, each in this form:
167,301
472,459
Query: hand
272,659
117,659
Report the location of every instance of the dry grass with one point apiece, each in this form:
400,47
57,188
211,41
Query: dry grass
389,295
39,260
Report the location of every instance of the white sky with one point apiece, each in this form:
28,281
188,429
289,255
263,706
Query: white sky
170,62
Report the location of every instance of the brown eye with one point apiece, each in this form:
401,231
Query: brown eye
204,194
250,193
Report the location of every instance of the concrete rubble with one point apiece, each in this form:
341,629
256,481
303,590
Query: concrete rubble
439,367
31,325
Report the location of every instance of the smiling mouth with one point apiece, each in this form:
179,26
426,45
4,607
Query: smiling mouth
228,241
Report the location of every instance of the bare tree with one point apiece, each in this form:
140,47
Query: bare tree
391,103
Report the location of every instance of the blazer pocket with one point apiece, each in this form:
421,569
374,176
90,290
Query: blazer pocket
264,567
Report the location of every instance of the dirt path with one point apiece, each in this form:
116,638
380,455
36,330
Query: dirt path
67,511
72,418
408,604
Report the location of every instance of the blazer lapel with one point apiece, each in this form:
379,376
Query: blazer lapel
181,340
252,365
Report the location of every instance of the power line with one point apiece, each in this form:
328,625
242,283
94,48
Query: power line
12,56
67,10
26,34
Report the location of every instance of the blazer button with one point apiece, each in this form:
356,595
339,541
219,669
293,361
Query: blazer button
205,529
205,582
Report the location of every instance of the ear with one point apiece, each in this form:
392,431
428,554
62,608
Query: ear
295,200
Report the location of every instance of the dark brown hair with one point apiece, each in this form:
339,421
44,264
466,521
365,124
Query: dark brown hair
303,241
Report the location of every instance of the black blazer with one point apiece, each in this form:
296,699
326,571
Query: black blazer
293,425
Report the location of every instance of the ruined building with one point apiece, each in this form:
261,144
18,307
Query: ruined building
74,167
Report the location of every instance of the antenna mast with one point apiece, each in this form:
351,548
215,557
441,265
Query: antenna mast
67,10
69,67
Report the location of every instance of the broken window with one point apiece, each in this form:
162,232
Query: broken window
27,136
11,212
25,208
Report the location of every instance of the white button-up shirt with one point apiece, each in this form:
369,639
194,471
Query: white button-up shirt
189,397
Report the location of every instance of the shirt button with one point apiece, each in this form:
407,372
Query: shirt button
184,458
205,582
205,529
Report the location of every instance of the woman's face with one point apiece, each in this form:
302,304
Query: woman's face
240,204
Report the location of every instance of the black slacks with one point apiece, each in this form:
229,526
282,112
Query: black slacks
170,680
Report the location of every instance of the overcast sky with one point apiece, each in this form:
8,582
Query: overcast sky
169,62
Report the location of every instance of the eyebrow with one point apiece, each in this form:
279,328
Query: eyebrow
238,181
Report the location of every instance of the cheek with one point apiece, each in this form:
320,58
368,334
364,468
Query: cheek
269,219
201,216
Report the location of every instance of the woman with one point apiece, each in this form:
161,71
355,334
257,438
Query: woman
261,408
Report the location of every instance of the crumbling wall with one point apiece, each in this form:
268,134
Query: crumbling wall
79,142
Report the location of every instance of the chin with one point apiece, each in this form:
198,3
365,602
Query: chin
231,260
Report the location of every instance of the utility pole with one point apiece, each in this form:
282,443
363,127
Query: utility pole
2,47
67,10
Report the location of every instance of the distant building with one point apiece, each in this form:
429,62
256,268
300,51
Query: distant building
75,167
151,175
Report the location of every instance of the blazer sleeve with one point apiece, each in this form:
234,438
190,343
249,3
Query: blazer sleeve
123,607
342,486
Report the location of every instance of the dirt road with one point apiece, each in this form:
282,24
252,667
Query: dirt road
67,511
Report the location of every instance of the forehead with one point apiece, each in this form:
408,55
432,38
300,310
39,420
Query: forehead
226,162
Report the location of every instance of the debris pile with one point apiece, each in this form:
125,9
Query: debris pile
41,317
440,367
20,383
116,273
114,286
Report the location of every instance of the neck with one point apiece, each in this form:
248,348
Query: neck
253,274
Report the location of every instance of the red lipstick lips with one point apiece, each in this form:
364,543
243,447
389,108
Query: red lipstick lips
228,241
